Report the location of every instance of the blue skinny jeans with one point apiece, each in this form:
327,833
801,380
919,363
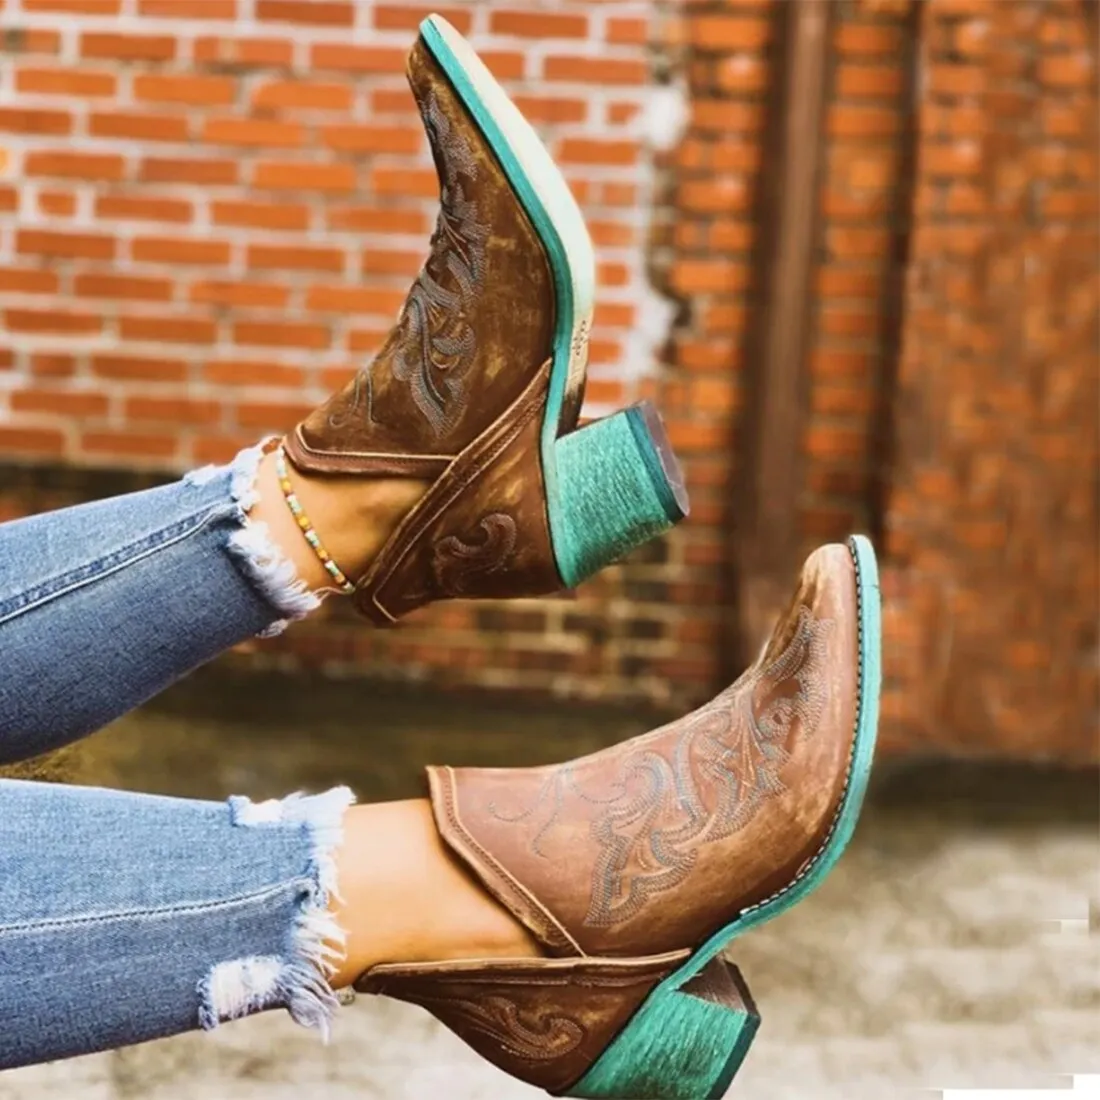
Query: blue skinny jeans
127,917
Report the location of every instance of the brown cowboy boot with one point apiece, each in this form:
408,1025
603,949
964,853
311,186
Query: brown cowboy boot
634,867
479,385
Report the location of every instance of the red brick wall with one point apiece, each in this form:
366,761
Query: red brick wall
212,209
706,256
992,524
171,288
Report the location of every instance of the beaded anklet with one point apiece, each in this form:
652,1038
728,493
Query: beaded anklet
303,521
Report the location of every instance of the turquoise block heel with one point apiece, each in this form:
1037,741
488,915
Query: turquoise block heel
617,486
641,1062
690,1050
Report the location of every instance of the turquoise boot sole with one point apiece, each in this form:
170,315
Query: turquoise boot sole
614,484
690,1036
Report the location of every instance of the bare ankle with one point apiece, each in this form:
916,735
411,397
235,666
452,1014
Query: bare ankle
353,516
361,513
405,899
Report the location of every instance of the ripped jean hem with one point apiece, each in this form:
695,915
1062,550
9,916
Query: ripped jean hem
251,547
299,979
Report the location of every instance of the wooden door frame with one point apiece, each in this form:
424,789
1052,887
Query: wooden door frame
765,533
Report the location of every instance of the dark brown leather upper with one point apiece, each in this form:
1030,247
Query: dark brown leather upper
457,395
476,327
651,846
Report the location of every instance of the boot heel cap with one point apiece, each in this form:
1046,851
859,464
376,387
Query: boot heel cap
665,470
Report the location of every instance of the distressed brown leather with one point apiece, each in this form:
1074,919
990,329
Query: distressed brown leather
543,1021
654,844
457,390
650,847
474,330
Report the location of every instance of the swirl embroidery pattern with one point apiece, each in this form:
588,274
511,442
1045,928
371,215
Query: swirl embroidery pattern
455,562
537,1036
667,801
437,342
363,390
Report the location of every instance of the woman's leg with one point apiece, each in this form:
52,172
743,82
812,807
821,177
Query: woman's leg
128,917
104,605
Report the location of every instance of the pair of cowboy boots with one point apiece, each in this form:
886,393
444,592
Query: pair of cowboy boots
636,866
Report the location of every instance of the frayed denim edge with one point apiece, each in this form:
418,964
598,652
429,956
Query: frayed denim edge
251,547
298,980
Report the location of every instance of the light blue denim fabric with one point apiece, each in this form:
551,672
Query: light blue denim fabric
126,917
104,605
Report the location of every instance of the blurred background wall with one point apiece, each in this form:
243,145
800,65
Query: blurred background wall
210,211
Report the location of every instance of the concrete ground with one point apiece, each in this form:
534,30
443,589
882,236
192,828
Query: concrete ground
954,946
